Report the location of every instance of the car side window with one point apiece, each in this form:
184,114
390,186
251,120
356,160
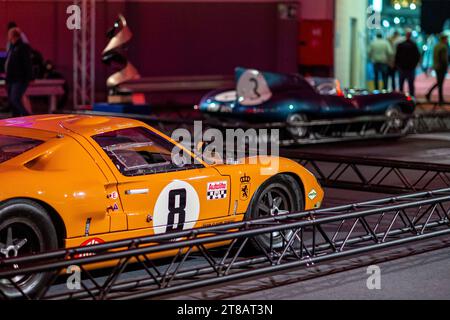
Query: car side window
138,151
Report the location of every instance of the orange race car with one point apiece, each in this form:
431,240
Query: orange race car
71,180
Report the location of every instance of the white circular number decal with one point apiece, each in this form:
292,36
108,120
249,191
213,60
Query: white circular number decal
177,208
252,88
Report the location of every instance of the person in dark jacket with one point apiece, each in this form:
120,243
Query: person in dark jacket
18,71
406,59
440,58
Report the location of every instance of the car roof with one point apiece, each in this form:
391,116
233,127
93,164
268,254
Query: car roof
85,125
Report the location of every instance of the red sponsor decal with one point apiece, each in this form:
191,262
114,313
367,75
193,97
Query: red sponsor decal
217,186
87,243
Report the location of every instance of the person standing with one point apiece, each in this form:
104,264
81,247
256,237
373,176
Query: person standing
440,65
394,40
18,71
406,59
380,51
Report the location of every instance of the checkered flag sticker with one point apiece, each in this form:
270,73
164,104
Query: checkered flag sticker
217,190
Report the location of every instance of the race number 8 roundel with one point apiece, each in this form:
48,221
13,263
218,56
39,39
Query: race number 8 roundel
177,208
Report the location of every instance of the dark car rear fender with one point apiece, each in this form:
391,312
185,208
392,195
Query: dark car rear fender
378,104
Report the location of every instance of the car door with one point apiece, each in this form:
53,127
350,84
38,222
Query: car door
339,107
156,192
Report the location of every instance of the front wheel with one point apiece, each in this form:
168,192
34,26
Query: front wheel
396,121
25,229
279,195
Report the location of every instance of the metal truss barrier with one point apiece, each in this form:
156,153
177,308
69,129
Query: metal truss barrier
296,240
428,122
371,174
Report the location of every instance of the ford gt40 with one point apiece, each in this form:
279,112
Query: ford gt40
71,180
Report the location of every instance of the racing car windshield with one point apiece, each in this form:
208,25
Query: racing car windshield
138,151
325,86
11,147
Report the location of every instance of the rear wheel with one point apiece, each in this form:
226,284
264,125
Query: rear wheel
279,195
25,229
295,127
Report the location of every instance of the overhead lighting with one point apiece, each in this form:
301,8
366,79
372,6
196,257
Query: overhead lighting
396,20
377,5
386,24
406,4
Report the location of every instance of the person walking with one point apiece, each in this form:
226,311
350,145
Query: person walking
18,71
406,59
440,65
380,51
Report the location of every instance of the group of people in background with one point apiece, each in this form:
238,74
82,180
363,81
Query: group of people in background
401,55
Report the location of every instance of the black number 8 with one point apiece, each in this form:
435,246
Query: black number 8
180,210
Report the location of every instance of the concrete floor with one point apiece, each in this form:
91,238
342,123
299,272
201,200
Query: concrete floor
408,277
425,276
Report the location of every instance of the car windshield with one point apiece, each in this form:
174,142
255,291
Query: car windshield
11,147
138,151
325,86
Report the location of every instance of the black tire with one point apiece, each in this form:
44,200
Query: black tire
25,219
287,188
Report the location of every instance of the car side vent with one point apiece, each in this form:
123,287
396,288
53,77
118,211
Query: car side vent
38,164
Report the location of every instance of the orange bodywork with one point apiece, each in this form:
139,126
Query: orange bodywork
74,178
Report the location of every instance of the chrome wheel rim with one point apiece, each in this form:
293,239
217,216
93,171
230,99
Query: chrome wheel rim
17,239
296,130
275,201
395,120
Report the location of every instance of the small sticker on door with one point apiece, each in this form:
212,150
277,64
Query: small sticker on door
312,195
113,195
217,190
245,187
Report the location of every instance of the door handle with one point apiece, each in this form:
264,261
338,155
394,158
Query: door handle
136,191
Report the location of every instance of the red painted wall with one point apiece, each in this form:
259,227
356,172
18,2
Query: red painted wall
317,9
171,38
201,39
